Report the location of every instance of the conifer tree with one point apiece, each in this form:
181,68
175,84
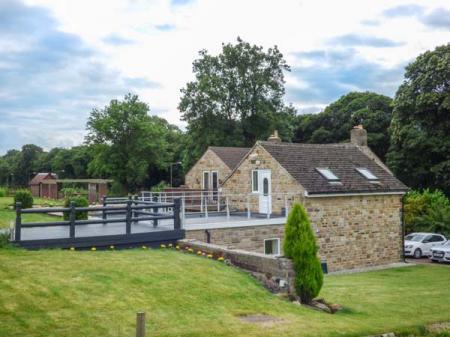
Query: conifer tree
300,246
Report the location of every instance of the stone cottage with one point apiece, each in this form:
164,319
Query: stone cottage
214,167
353,200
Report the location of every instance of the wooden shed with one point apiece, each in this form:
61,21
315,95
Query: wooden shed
44,185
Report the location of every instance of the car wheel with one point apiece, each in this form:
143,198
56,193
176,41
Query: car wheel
417,253
434,261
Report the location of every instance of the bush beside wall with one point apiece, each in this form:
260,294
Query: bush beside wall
79,202
25,197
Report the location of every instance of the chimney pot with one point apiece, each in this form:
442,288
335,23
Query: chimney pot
358,135
274,137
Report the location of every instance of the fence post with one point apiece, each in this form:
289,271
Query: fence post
183,211
140,324
228,209
206,206
136,212
128,217
72,217
176,213
18,229
269,197
104,211
155,214
248,207
201,201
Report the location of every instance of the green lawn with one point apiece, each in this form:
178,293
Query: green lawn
66,293
8,215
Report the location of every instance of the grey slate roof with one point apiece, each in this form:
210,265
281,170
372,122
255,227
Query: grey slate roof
231,156
301,161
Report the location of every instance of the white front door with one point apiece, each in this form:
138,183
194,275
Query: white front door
265,191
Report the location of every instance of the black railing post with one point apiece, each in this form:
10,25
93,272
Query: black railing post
135,212
104,210
72,217
155,214
176,213
128,217
18,229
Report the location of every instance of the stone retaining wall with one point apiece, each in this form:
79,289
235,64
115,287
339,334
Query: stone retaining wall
277,271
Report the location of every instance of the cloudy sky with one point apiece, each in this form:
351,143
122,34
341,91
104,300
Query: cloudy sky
61,58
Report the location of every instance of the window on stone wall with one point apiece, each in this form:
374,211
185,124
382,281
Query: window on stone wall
205,184
272,246
255,181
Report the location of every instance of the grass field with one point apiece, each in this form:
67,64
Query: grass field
8,215
66,293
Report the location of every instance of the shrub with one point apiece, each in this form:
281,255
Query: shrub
3,192
300,246
4,240
116,190
159,187
25,197
69,192
427,211
79,202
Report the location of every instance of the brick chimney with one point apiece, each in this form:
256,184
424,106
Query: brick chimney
274,137
358,135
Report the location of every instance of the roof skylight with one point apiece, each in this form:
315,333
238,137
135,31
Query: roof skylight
327,174
366,173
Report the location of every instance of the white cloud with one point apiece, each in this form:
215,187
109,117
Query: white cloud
160,40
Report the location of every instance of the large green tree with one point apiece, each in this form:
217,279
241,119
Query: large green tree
28,164
333,125
126,141
236,98
420,129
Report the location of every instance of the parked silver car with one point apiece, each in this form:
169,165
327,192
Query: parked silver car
441,253
420,244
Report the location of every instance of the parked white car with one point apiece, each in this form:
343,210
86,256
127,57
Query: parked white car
441,253
420,244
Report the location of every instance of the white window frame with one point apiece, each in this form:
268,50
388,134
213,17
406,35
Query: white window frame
327,174
366,173
278,246
255,190
211,173
203,180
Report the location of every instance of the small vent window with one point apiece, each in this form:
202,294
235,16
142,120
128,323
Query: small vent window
272,246
366,173
327,174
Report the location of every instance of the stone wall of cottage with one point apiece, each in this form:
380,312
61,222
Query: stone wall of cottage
352,232
285,188
208,162
357,231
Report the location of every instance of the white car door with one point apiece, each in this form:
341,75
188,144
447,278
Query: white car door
437,240
427,243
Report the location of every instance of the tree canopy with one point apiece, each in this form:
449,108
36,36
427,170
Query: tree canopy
127,142
420,136
333,125
236,98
